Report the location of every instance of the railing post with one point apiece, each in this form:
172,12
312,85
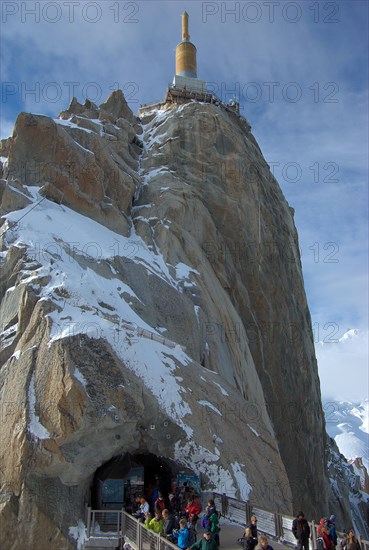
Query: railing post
313,535
139,536
277,524
248,512
123,522
224,505
88,521
281,528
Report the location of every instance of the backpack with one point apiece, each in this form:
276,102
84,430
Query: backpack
205,523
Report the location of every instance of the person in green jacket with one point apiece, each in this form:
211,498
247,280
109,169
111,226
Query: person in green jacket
157,523
206,543
148,518
214,527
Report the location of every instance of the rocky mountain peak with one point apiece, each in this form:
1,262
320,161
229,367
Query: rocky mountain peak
153,306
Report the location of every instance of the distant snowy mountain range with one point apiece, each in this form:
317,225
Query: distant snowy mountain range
347,423
343,374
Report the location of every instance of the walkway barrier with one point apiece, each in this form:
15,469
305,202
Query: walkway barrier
101,522
275,525
118,527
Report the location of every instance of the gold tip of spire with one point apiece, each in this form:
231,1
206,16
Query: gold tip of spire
185,33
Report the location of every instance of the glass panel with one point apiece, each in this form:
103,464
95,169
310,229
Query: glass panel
113,494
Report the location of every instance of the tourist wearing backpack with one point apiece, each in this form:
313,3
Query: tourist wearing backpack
210,508
332,528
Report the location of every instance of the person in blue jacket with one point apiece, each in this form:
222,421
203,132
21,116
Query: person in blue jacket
332,529
182,535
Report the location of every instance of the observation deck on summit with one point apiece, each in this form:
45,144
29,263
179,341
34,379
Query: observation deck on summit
186,86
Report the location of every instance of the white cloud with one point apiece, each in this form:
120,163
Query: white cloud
343,367
6,127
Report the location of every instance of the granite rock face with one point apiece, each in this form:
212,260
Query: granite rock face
345,486
152,302
205,174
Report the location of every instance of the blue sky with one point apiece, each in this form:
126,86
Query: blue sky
300,70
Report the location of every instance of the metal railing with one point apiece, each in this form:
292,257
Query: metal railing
275,525
101,523
125,528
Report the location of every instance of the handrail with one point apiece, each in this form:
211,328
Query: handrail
281,530
120,524
125,526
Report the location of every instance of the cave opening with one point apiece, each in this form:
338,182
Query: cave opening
119,481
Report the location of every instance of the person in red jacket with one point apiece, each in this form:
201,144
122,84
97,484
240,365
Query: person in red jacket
192,508
326,534
159,503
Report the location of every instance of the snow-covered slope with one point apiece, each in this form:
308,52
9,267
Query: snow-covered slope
347,424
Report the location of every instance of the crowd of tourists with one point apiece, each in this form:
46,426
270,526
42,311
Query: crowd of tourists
177,517
326,534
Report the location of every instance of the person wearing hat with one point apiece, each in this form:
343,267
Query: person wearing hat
301,531
205,543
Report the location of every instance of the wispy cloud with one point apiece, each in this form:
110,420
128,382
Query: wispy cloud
343,366
6,128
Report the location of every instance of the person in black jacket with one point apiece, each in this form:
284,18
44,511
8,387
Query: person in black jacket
169,522
301,531
251,534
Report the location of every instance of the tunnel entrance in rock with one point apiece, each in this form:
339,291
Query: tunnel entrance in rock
123,478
